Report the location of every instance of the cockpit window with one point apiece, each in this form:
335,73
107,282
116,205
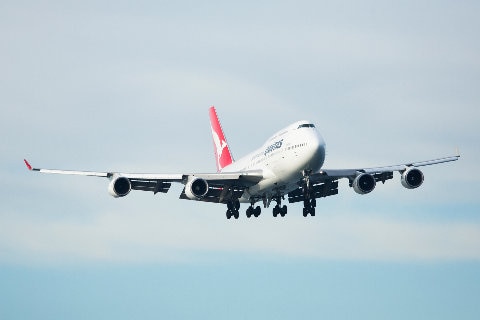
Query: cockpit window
306,125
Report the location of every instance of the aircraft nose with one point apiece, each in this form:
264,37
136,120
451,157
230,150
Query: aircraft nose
318,151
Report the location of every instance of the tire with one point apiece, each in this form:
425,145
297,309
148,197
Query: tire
305,212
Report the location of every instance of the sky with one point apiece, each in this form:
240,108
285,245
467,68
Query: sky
126,86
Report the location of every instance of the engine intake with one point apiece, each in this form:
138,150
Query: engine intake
412,178
364,183
196,188
119,186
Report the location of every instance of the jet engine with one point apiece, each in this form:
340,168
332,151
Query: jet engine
119,186
196,188
363,183
412,178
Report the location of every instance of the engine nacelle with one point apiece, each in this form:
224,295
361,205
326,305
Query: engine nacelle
364,183
119,186
412,178
196,188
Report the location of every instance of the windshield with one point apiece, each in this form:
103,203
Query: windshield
306,125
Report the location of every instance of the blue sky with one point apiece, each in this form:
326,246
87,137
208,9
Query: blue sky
126,86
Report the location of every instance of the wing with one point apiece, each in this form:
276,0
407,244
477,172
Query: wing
378,171
220,186
325,182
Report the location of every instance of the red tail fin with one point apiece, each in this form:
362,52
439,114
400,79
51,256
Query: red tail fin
27,164
222,151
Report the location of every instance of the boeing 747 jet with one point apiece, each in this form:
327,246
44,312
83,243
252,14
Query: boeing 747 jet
287,167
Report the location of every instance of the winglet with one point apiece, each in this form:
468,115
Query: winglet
27,164
222,151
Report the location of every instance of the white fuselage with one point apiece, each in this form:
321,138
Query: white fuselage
283,159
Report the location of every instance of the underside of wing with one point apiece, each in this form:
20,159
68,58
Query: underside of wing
217,193
350,173
362,180
211,187
219,187
316,190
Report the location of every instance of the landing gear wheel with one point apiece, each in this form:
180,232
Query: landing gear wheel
283,211
249,212
232,209
305,212
257,211
276,210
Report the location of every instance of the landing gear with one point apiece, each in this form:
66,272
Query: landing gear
232,209
234,214
309,207
253,211
309,204
278,210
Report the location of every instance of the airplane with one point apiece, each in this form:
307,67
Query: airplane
288,165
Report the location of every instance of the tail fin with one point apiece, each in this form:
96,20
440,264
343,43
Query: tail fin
222,151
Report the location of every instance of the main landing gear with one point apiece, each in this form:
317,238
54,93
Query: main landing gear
232,209
309,207
278,210
309,204
253,211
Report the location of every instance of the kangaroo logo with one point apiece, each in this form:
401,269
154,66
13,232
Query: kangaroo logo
222,152
219,146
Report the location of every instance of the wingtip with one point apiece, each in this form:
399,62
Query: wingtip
27,164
